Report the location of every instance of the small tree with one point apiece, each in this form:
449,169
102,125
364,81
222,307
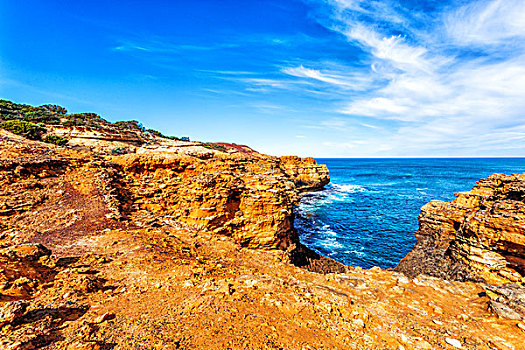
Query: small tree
26,129
155,133
54,109
129,125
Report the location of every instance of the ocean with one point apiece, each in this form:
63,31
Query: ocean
367,215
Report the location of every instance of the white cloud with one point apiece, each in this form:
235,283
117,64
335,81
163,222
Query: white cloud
265,107
369,126
314,74
345,145
264,82
333,74
378,106
487,22
392,49
162,45
454,86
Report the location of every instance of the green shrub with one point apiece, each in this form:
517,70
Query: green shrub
11,110
74,122
56,140
54,109
41,116
29,130
176,138
214,146
155,133
14,111
129,125
92,120
85,116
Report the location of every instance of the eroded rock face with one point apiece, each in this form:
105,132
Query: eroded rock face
307,175
480,235
81,132
147,255
242,194
248,198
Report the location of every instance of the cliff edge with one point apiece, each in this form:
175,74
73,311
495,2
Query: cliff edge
137,241
480,235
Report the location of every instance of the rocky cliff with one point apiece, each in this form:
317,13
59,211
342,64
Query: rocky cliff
152,249
480,235
246,197
307,175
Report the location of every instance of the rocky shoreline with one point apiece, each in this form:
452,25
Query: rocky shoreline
182,245
480,237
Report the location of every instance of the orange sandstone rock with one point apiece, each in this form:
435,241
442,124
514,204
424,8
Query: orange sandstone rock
305,172
479,235
248,198
148,254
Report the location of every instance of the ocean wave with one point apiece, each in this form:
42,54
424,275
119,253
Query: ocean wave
327,230
331,243
348,188
356,252
311,202
367,215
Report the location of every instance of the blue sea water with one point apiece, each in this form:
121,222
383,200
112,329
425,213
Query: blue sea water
367,215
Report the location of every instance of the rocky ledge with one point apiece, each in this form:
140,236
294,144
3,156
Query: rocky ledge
479,236
246,196
169,244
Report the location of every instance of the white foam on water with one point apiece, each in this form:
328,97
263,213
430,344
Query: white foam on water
355,252
341,192
326,229
331,243
332,193
348,188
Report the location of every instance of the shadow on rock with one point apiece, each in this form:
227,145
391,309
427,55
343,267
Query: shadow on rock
41,327
304,257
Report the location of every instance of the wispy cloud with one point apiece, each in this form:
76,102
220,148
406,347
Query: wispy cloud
435,78
487,22
345,81
456,82
265,107
160,45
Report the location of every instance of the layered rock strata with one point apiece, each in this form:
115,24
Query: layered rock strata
245,195
78,133
306,174
147,251
248,198
480,234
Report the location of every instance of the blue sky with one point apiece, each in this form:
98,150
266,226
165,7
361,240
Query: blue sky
323,78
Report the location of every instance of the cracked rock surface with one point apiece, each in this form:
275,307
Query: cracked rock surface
174,246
